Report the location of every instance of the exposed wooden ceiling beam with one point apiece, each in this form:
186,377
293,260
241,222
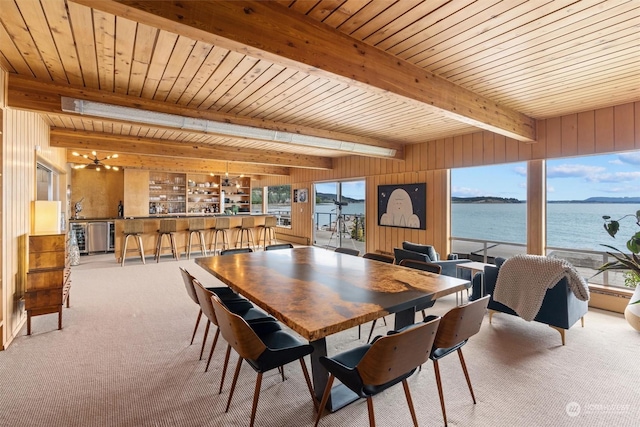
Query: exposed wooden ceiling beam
28,94
270,31
85,140
167,164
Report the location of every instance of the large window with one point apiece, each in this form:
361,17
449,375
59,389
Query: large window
580,191
257,200
279,203
489,210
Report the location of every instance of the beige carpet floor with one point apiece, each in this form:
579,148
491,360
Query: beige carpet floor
123,359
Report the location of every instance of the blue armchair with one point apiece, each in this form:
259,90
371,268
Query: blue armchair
427,253
560,308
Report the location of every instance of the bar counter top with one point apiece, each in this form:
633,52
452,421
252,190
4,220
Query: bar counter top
152,224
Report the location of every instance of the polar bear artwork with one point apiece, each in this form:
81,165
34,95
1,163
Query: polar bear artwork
400,211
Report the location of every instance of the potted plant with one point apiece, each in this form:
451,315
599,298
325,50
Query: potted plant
628,262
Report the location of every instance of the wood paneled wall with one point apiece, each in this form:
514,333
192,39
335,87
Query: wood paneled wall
22,133
101,192
600,131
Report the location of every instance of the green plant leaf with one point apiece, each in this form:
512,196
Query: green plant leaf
612,228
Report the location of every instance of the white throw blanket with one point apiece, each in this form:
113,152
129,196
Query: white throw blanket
523,281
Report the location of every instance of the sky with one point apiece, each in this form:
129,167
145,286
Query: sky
353,189
577,178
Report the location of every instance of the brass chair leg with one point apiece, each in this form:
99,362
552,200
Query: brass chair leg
491,313
466,374
256,396
372,418
196,327
204,340
213,346
233,383
407,394
560,330
325,397
224,368
436,369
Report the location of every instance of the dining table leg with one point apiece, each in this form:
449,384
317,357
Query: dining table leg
340,395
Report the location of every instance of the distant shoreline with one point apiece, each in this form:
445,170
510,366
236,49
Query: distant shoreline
590,200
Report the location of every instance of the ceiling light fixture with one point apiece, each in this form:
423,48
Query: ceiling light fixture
118,112
95,163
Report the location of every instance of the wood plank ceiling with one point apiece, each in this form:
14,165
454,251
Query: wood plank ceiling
395,73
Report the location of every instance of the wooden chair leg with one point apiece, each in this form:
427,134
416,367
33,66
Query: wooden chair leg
204,340
582,321
233,383
561,331
466,374
407,394
256,396
213,346
124,249
436,369
140,247
372,418
325,398
195,329
305,371
224,368
174,247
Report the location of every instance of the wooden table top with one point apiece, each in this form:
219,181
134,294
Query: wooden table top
317,292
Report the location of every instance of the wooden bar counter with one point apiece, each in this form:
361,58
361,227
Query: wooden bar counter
151,226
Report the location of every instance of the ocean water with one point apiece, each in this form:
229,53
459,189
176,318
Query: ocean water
569,225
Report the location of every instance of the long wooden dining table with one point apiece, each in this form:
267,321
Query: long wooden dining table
317,293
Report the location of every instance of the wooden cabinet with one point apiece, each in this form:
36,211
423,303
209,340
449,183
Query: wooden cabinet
48,276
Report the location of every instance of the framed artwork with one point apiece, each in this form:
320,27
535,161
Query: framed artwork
300,195
403,206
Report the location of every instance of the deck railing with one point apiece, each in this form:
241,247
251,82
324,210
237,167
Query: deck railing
585,261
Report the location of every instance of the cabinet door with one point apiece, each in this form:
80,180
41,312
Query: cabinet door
136,193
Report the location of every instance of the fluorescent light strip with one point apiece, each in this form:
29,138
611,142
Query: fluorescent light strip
203,125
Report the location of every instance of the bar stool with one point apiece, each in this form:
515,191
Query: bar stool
135,228
246,229
268,229
196,225
221,228
167,228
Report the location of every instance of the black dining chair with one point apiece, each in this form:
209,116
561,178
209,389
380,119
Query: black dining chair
226,294
382,258
379,257
234,251
348,251
252,316
372,368
456,327
277,246
263,352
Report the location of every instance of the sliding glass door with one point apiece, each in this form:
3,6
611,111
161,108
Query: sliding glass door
339,213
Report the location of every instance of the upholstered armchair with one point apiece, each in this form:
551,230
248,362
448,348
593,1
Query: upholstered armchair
427,253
